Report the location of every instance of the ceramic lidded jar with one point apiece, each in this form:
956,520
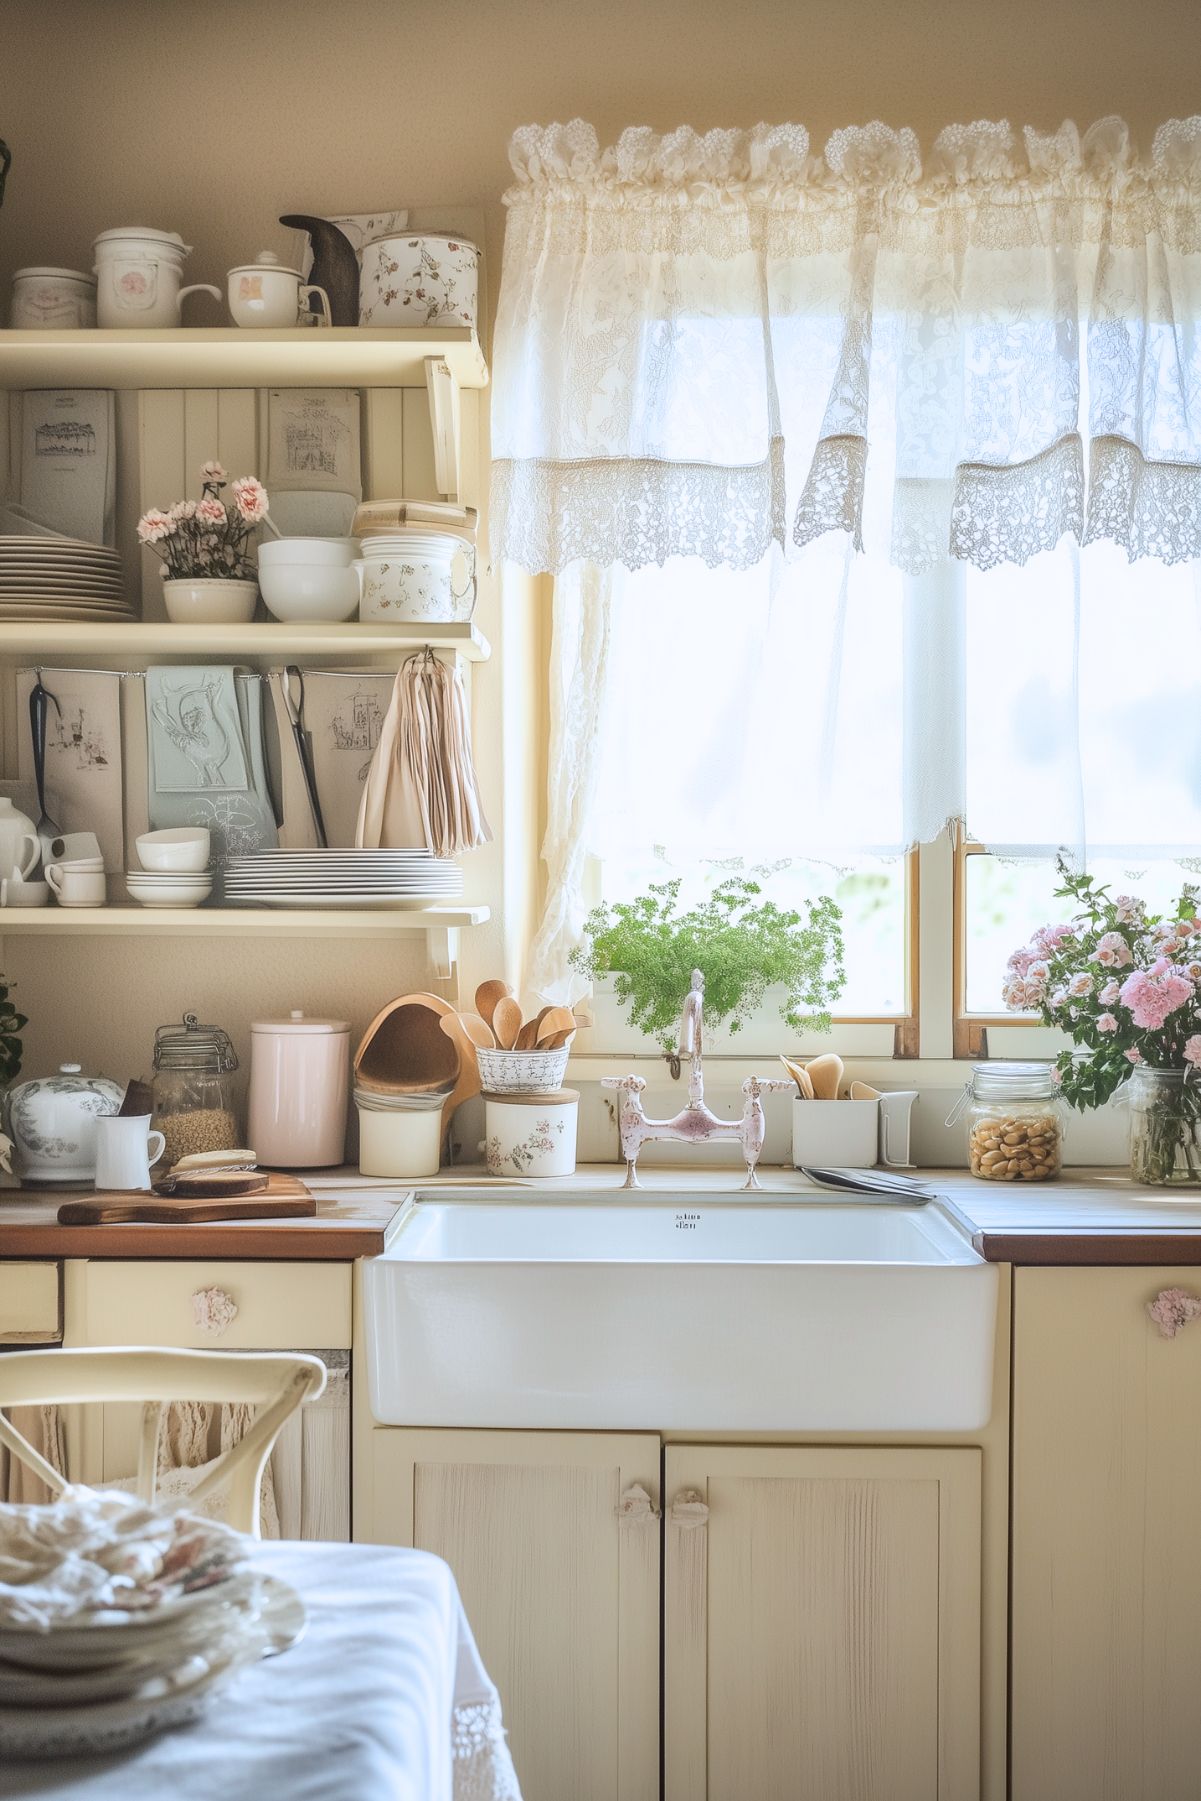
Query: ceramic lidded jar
139,272
52,1123
299,1072
53,300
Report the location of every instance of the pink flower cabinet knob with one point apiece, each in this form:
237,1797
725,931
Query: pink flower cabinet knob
1172,1309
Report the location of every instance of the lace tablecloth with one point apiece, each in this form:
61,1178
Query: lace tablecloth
384,1699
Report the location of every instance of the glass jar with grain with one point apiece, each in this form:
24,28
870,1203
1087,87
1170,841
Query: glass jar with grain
194,1106
1014,1123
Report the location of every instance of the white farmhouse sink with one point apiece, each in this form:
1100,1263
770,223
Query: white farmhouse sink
680,1313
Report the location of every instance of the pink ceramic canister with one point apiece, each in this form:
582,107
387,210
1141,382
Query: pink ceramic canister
299,1069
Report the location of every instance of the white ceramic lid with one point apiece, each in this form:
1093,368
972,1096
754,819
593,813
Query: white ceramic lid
62,274
425,237
299,1021
141,232
266,259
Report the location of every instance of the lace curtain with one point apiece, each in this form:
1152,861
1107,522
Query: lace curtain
709,345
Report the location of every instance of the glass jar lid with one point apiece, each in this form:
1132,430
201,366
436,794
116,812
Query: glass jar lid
1014,1082
194,1046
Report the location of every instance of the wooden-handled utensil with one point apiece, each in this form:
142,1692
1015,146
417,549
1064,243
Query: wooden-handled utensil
550,1022
527,1038
506,1022
488,994
800,1076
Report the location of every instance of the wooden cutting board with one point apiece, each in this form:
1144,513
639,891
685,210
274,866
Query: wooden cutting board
284,1197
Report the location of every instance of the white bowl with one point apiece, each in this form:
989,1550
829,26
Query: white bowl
309,591
210,601
522,1072
323,552
169,890
179,847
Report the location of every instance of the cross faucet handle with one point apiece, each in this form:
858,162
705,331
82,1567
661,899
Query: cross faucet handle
631,1084
757,1085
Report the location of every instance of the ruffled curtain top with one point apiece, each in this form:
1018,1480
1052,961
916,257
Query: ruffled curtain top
707,344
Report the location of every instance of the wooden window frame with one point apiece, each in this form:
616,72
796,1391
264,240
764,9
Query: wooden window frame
968,1030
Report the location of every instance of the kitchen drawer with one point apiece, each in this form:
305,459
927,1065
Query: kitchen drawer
280,1306
30,1305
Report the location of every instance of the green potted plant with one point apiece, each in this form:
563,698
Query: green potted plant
742,944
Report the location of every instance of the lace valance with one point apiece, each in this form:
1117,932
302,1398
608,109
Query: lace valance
707,344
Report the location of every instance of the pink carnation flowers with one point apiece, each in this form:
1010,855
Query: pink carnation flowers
1154,994
208,539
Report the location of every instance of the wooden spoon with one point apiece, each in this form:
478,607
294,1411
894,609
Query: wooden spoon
550,1022
863,1091
478,1031
506,1022
800,1076
556,1041
527,1038
487,995
826,1075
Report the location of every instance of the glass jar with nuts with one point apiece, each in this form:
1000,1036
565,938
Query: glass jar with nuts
1015,1123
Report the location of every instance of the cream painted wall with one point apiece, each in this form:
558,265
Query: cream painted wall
213,120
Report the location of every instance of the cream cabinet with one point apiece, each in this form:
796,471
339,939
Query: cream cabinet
554,1541
821,1623
30,1303
1106,1570
223,1304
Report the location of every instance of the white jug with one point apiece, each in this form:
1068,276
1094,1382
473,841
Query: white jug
125,1149
19,846
138,274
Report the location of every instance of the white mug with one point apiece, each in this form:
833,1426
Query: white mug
75,847
77,887
125,1149
266,294
25,860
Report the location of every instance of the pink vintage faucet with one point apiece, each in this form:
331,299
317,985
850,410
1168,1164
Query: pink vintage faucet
695,1124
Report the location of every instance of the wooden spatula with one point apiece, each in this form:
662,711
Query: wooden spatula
553,1021
506,1022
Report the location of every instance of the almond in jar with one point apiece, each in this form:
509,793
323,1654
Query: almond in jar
1014,1123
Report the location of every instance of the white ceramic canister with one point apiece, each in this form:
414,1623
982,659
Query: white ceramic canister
835,1134
411,574
138,273
405,1144
52,1122
299,1071
266,293
421,278
52,300
531,1135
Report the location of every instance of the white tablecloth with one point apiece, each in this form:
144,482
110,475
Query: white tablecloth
384,1699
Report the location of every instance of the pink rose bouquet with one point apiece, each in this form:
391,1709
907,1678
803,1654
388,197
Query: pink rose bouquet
208,538
1125,985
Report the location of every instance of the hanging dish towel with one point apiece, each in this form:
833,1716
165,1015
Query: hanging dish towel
421,787
206,763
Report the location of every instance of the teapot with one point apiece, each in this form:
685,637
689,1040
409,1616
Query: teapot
138,273
52,1122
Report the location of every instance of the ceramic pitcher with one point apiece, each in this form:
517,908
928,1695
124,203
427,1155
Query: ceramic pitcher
125,1149
19,846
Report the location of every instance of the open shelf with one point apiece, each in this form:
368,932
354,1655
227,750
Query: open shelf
348,356
441,925
223,643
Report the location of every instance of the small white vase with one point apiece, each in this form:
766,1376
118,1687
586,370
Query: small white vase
209,601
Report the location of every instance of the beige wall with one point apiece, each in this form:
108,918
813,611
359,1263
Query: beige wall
212,120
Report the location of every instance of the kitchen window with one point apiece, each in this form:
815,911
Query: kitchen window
795,721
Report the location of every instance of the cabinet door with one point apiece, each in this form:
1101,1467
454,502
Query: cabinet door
1106,1580
557,1559
822,1624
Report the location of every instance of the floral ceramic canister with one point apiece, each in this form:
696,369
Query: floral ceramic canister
52,1121
420,279
531,1135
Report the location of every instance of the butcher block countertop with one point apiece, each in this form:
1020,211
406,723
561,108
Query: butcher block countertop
351,1220
1088,1217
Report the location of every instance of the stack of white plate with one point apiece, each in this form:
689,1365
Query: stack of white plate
61,579
103,1681
341,878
